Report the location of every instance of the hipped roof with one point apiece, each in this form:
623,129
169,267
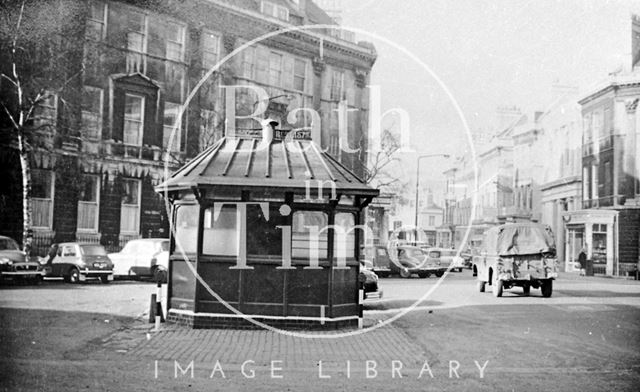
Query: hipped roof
246,162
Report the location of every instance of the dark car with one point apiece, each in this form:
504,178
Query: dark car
14,264
76,262
517,254
370,281
380,260
411,260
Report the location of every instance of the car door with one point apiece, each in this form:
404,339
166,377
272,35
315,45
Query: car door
67,255
145,253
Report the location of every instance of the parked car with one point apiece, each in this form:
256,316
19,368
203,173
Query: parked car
379,257
370,280
147,257
435,263
77,262
449,256
411,260
14,264
517,254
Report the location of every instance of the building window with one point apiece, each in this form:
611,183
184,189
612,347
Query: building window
88,204
171,113
248,62
46,111
588,132
608,175
432,220
42,182
175,41
337,85
596,118
186,228
275,69
133,119
608,124
274,10
211,49
299,74
96,21
221,233
308,238
585,184
594,181
136,41
130,207
92,112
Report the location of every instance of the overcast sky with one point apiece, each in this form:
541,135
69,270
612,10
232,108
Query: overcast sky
488,53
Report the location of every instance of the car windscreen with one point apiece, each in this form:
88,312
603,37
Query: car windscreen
417,253
434,254
8,244
93,250
522,240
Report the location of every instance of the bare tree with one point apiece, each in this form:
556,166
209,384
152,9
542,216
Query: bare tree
378,170
26,82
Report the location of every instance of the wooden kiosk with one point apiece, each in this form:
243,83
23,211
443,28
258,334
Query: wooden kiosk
266,227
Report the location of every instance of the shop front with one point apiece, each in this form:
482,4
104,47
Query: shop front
596,231
266,230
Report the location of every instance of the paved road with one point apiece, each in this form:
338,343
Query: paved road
585,338
456,289
459,289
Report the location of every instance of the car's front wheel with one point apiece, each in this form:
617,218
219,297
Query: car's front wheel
439,274
404,273
73,276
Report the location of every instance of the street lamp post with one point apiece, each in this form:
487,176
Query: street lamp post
418,186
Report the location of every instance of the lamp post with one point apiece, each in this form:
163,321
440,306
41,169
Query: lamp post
418,185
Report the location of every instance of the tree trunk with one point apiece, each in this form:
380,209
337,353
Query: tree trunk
27,210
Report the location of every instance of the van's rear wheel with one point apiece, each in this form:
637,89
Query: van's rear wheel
497,288
547,288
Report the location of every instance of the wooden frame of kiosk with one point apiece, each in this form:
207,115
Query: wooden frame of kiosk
266,229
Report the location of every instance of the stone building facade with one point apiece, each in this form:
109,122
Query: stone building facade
132,113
